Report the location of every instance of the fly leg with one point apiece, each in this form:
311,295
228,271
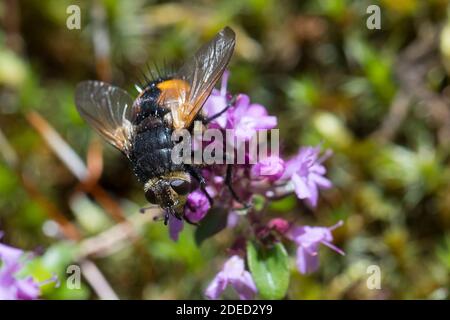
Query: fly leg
208,120
162,217
228,182
168,212
196,174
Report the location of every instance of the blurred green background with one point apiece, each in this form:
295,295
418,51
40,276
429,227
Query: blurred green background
379,98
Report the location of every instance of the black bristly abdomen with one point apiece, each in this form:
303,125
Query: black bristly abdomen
151,154
152,145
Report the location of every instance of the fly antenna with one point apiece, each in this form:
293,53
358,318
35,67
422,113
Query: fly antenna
145,209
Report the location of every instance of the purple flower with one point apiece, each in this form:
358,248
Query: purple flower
175,227
308,240
306,172
246,118
271,167
9,255
232,219
197,205
243,117
12,287
278,224
233,273
217,102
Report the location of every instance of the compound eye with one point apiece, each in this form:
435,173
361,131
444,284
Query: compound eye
150,196
181,187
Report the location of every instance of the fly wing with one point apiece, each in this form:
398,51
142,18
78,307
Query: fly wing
108,110
199,75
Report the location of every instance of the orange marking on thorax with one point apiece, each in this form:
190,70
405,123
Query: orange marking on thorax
174,93
172,90
172,84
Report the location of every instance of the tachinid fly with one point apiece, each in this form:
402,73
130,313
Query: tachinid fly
142,128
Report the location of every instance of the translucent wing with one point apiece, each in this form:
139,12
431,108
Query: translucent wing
108,110
198,77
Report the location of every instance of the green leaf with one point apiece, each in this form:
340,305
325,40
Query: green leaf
214,222
270,269
59,256
258,202
284,205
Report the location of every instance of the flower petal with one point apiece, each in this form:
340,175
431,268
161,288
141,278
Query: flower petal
271,167
216,287
175,227
214,105
241,105
267,122
232,219
321,181
244,286
197,206
9,254
234,267
27,289
314,193
256,110
7,293
301,188
306,262
295,233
